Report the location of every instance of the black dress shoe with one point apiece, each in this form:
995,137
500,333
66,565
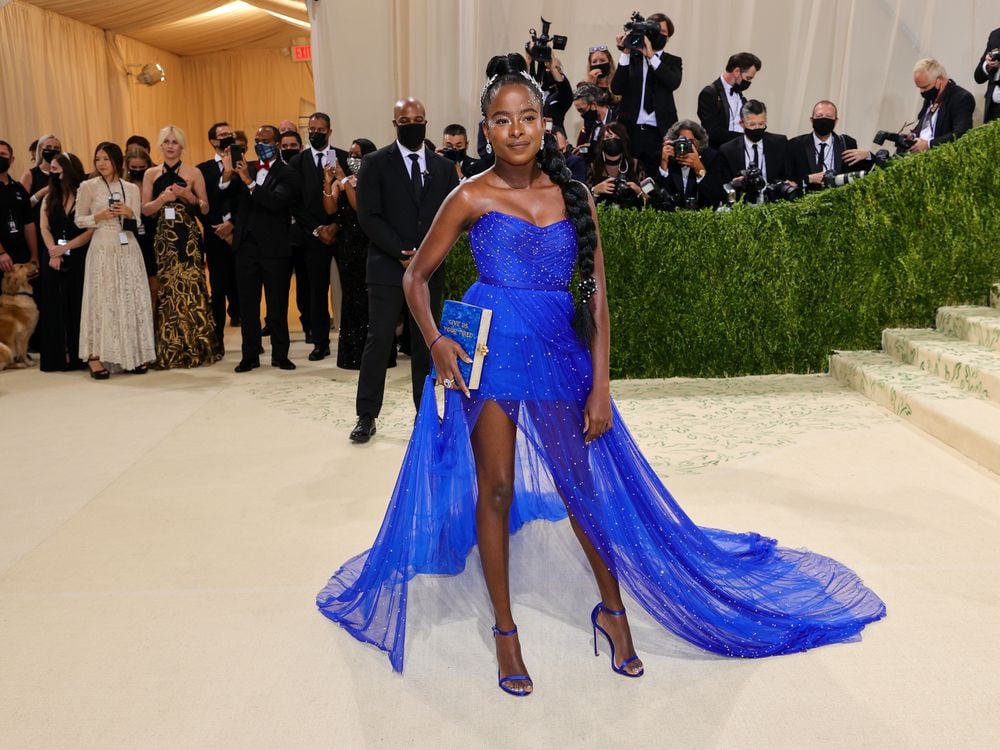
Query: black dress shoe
284,364
246,365
363,430
320,352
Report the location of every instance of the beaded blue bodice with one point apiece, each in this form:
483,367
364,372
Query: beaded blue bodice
515,253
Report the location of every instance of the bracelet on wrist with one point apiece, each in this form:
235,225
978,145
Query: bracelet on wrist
439,337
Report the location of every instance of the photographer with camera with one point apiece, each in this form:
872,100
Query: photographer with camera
947,110
454,147
818,157
593,104
614,174
988,72
686,163
547,69
757,166
646,80
720,102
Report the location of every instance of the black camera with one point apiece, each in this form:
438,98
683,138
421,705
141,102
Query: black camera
539,48
832,179
660,198
780,190
903,141
683,146
452,154
749,180
994,55
638,28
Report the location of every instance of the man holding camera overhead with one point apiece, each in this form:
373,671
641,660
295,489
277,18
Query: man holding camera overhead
646,79
988,72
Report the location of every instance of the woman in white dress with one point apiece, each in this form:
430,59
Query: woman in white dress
116,329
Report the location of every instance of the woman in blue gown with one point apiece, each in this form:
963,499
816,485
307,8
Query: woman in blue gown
541,437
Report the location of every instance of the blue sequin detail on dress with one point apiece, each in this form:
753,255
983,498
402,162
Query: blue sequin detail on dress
736,594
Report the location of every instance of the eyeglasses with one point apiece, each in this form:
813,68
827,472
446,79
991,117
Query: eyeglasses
599,48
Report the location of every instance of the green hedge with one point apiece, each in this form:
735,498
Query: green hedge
774,289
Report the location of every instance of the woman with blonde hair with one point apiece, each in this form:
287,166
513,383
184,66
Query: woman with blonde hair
174,193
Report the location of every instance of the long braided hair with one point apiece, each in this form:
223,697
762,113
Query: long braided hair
503,70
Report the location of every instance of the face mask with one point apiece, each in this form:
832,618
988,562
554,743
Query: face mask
136,174
930,95
613,147
742,86
288,153
4,164
755,136
266,151
589,117
48,154
605,69
823,126
319,140
412,135
658,43
226,142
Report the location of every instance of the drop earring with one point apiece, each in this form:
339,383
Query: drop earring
489,147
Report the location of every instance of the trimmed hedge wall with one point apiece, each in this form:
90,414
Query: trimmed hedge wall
774,289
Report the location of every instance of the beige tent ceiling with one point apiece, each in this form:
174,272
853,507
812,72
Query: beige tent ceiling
193,27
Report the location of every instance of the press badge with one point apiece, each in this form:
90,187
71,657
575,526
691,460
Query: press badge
141,229
170,213
62,241
123,238
12,227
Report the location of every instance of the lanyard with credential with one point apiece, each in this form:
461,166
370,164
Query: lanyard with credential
122,235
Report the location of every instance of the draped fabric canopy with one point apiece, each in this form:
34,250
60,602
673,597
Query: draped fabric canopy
858,53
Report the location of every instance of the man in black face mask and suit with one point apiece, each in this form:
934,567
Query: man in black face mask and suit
823,150
947,110
400,188
720,102
316,229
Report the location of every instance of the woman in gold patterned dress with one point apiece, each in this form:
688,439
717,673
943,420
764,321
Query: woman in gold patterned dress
175,194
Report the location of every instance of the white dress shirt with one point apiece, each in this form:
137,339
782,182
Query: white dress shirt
995,76
644,117
404,153
827,165
734,101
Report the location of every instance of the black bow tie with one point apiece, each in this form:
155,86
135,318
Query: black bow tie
733,91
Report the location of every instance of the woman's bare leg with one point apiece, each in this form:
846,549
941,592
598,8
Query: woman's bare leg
493,445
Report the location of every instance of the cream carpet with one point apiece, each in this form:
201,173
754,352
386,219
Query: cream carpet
162,539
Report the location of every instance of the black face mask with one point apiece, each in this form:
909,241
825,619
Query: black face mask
658,42
412,135
4,164
589,118
226,142
742,86
136,174
288,153
613,147
755,136
319,140
823,126
930,95
605,69
48,154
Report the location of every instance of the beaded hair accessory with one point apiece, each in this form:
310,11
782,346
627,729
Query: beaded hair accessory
493,79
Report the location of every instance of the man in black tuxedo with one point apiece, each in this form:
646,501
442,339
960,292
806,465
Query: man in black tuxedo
454,147
266,192
692,178
400,188
646,79
823,150
947,110
756,147
720,102
290,144
988,72
318,229
219,231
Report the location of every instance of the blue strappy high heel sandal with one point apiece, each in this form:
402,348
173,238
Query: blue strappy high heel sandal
518,692
593,620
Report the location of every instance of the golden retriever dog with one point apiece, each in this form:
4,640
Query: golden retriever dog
18,317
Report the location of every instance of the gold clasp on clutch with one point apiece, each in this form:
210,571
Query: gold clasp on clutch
482,350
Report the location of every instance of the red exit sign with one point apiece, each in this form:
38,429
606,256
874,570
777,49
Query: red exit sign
302,53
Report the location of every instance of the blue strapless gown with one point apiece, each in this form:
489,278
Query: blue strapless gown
735,594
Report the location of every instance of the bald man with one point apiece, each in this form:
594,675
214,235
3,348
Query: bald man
400,188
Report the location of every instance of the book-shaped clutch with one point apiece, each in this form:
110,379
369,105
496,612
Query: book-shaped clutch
469,326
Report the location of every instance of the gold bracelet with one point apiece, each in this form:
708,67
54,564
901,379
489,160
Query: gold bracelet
327,195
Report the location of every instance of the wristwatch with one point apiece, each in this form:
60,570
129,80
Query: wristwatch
701,173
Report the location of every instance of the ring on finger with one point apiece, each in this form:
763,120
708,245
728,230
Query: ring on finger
448,383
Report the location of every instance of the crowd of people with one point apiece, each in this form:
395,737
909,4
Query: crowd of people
122,241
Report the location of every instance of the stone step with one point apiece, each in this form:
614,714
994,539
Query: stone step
964,420
980,325
960,363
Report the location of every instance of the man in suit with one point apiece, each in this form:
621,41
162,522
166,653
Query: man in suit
823,150
318,230
593,104
988,72
290,145
454,147
756,147
646,79
219,231
400,188
720,102
265,193
947,110
692,178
